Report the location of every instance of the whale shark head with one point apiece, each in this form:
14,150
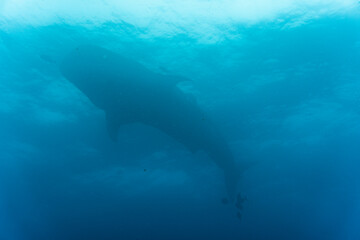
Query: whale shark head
77,66
90,66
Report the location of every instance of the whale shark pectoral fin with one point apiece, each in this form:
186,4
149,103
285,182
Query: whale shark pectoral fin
112,126
174,80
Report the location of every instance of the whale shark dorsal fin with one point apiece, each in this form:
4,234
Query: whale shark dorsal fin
112,126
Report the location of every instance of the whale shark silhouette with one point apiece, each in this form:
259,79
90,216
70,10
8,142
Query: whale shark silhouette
128,93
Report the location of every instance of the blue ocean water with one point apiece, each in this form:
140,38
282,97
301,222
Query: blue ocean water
280,81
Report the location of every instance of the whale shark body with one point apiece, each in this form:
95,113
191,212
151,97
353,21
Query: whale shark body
128,92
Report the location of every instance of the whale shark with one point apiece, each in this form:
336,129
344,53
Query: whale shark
128,92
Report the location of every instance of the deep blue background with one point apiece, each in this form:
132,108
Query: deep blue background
285,94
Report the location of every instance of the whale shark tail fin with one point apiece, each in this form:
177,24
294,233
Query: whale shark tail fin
243,166
233,175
